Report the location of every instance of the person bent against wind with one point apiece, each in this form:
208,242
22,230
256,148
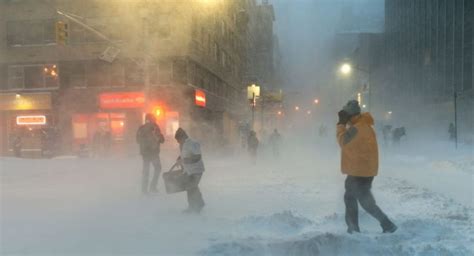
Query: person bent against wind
359,160
193,167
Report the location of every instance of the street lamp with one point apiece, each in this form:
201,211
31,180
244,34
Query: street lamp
253,92
316,101
346,69
297,108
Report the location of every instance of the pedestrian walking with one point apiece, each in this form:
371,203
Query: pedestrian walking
322,130
275,142
359,161
149,138
252,146
397,135
193,167
17,145
386,131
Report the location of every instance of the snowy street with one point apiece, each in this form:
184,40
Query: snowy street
291,207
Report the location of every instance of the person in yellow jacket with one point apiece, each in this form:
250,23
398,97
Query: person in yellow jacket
359,161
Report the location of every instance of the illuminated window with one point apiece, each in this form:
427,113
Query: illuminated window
33,76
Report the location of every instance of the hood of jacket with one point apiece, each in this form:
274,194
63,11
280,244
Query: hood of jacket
363,118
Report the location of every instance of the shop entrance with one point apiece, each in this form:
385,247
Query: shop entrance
101,133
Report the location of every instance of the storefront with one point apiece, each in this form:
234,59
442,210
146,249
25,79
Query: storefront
106,122
111,128
28,118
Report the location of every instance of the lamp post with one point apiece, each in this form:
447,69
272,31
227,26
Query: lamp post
455,118
346,70
253,92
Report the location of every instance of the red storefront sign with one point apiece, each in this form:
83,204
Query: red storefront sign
122,100
200,98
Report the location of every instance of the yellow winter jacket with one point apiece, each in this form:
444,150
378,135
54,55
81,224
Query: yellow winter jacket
359,156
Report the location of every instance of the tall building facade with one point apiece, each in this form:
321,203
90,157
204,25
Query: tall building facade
185,61
429,58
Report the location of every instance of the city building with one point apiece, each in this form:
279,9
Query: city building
428,55
184,61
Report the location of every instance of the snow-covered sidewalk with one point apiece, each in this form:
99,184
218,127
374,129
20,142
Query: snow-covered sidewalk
291,207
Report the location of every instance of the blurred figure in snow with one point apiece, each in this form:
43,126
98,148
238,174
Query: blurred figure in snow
397,135
252,146
386,131
149,138
275,142
191,160
359,160
16,145
322,130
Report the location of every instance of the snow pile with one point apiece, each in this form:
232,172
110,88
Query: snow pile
284,222
463,164
436,239
429,224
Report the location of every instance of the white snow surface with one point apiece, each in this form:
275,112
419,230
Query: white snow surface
291,206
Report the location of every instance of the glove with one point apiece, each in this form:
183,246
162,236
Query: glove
343,117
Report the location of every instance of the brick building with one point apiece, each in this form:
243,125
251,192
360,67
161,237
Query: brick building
185,61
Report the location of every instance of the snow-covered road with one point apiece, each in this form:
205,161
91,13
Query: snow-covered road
291,207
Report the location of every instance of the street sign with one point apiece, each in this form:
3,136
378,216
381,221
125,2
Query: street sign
253,92
31,120
200,98
121,100
110,54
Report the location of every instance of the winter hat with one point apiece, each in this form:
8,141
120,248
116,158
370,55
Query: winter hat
180,133
352,108
150,117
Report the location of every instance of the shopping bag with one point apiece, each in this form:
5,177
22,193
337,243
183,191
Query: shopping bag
175,180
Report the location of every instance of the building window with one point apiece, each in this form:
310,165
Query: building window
179,71
101,74
165,72
30,32
73,74
164,28
33,76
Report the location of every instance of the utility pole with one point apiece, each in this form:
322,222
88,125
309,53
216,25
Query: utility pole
455,119
146,62
253,110
262,118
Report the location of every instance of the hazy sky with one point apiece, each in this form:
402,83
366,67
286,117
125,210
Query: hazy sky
306,29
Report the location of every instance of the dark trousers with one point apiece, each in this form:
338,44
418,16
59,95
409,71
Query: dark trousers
253,155
358,190
195,200
146,174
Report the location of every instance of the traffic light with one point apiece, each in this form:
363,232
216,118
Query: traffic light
158,112
62,32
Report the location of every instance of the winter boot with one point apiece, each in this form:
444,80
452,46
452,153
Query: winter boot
389,227
351,230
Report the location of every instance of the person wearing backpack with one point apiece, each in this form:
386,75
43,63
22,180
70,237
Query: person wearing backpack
149,138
